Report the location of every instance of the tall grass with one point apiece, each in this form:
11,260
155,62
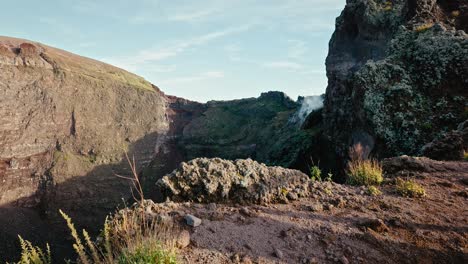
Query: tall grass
33,255
363,171
130,236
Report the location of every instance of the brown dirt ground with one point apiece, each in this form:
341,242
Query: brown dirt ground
433,229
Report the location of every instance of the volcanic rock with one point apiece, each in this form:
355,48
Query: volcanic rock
242,181
397,75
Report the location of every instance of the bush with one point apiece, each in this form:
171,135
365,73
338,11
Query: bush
409,188
363,171
373,191
315,173
465,155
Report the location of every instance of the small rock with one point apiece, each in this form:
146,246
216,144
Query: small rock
235,258
344,260
278,253
192,220
245,211
329,207
317,207
292,196
309,237
212,207
183,240
375,224
246,260
348,251
313,261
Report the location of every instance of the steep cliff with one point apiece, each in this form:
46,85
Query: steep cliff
67,121
398,74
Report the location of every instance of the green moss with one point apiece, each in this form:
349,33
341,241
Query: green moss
257,128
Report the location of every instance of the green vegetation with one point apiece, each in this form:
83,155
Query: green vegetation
409,188
33,255
465,155
363,171
253,127
373,191
146,254
315,173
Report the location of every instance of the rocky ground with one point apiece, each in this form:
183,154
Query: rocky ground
338,223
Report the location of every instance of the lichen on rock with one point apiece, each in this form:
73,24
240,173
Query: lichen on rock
401,84
240,181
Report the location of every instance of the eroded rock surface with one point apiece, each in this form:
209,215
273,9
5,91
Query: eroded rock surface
240,181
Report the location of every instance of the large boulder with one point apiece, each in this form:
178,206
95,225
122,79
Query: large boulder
397,74
241,181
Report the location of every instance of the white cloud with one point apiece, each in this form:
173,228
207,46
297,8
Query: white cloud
192,16
132,62
195,78
285,65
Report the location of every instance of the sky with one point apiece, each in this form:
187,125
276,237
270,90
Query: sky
197,49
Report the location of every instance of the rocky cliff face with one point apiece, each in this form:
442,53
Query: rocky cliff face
398,74
66,123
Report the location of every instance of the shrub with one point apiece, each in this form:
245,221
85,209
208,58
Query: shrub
373,191
128,238
465,155
315,173
33,255
409,188
363,171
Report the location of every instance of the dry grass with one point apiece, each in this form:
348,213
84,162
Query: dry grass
33,255
132,235
362,171
455,13
423,27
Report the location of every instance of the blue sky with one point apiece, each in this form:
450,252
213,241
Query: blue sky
200,50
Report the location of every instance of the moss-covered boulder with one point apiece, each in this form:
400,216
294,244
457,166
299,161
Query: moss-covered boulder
398,75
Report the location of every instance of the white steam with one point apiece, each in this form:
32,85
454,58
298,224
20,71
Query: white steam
309,104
